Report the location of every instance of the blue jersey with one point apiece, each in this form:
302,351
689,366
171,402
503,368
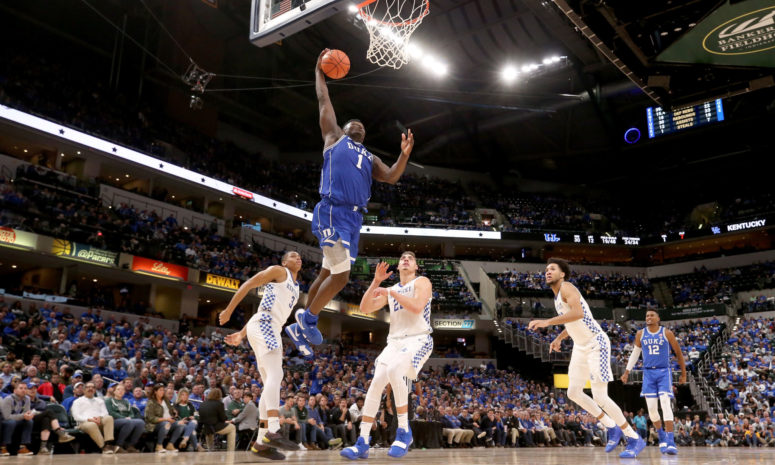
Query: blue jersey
346,175
656,349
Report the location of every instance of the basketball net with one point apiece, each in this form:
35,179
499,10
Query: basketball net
390,24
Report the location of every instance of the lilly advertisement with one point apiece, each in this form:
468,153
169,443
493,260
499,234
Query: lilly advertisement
159,268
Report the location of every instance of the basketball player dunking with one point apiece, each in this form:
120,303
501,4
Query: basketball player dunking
409,345
345,188
590,359
655,341
281,292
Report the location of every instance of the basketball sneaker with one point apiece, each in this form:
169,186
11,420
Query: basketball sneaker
671,449
267,452
297,338
400,446
634,446
310,331
662,441
359,451
614,437
277,440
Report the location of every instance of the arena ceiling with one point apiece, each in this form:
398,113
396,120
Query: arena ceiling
564,124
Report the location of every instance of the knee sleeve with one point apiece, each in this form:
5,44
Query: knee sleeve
600,394
262,410
374,394
667,408
577,395
653,405
271,369
399,383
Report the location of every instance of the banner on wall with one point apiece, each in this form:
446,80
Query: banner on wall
159,268
681,313
83,252
10,237
218,281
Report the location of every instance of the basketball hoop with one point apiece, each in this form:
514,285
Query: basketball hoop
390,24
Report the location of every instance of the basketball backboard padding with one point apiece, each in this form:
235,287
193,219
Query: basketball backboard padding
275,20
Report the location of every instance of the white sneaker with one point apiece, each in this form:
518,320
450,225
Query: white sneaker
301,447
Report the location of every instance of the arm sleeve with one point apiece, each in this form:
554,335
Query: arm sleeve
633,358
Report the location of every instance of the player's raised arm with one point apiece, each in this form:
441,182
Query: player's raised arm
271,274
678,354
416,304
371,302
633,357
391,174
328,126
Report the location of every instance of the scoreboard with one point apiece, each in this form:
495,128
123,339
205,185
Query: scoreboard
661,122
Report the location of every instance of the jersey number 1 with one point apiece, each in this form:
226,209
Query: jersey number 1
360,160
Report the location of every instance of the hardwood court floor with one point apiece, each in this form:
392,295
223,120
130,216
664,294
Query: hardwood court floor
540,456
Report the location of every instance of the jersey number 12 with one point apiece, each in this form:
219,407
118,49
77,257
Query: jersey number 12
653,350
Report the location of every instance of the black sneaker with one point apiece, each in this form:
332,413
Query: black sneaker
278,441
267,452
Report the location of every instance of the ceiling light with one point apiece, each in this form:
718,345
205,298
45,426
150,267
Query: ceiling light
62,155
13,266
94,280
208,301
547,61
678,29
663,33
692,24
25,150
509,73
525,68
78,152
352,8
126,175
415,51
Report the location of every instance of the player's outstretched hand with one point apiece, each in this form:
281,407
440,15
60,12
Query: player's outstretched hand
320,59
625,377
382,272
407,143
682,379
234,339
224,317
535,324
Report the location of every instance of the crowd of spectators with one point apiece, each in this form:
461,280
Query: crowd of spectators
759,303
744,374
99,368
618,289
705,286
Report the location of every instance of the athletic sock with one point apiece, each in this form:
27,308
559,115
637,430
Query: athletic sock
607,421
310,318
261,433
630,433
403,421
274,424
366,431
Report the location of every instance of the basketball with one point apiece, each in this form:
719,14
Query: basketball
335,64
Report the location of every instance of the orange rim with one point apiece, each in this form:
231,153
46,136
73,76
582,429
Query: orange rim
367,17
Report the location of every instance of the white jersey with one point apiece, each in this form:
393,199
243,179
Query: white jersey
581,331
278,300
404,323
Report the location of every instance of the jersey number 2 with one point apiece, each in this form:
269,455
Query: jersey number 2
653,350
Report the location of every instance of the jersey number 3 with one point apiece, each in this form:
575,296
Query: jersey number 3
653,349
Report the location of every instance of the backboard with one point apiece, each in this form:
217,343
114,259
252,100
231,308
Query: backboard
274,20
